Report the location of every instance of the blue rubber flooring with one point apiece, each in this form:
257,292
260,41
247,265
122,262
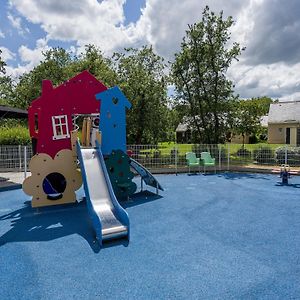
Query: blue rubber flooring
224,236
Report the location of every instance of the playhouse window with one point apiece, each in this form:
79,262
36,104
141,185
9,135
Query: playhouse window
60,127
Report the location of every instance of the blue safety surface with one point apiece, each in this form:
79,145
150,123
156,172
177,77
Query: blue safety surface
218,236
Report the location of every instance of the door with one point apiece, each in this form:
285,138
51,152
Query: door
288,136
298,137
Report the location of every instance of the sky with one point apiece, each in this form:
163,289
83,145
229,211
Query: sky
269,29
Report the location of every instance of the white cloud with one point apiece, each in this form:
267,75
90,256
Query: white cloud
279,80
85,22
268,66
2,35
29,58
16,22
7,54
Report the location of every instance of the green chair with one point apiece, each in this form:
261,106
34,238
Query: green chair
208,161
192,160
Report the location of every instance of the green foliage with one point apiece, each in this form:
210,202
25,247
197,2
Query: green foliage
2,64
141,75
55,67
17,135
262,104
247,115
93,60
293,154
58,66
242,152
264,155
6,90
199,75
6,85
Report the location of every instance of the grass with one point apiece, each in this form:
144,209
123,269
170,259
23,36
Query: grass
166,147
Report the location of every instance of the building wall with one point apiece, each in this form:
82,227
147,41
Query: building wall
277,133
238,139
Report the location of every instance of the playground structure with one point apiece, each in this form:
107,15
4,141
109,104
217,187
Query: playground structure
285,173
105,166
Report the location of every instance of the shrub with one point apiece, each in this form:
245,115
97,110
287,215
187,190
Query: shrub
174,153
264,155
243,152
17,135
156,154
293,155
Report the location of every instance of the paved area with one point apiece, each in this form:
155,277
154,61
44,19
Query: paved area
224,236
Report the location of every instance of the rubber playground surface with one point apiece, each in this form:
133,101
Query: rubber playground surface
223,236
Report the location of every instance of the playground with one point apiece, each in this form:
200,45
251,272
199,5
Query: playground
92,222
219,236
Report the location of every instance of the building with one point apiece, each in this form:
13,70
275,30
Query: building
12,113
184,132
284,123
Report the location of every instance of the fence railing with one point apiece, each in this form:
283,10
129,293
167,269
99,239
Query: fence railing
14,160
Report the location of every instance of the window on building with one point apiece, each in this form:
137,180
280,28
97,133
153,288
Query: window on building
60,127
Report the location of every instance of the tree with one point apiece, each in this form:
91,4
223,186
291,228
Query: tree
6,90
262,104
93,60
56,66
141,76
2,64
247,116
199,75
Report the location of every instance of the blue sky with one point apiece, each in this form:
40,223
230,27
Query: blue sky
269,29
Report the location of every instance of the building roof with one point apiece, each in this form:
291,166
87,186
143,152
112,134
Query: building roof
182,127
12,112
284,112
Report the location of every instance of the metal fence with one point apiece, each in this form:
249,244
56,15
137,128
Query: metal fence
170,158
230,157
14,162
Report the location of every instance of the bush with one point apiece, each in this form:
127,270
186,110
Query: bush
293,155
264,155
156,154
243,152
17,135
174,153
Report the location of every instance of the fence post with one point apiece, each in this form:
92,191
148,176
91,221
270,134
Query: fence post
228,157
20,158
25,162
286,155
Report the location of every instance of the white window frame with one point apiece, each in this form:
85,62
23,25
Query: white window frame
62,121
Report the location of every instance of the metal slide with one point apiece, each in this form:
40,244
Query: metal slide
148,178
109,219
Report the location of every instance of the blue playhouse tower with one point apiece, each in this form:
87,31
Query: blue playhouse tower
113,141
